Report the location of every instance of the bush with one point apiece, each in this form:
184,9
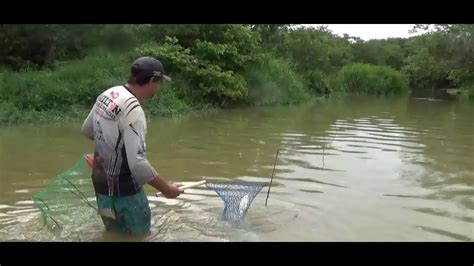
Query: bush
273,82
8,112
468,92
37,46
73,83
369,79
206,77
317,81
166,103
69,91
41,46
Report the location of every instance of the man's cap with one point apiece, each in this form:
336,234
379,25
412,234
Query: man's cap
149,67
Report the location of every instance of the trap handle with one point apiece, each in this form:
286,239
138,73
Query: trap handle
187,186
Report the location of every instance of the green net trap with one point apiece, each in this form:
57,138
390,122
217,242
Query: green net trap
69,198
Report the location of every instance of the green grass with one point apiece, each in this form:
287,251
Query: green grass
273,82
368,79
72,83
68,92
10,115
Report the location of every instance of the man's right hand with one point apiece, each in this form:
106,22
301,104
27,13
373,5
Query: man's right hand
172,191
168,189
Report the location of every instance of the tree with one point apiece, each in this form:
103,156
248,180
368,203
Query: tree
389,52
315,53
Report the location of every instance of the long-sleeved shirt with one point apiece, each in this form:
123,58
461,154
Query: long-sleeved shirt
117,124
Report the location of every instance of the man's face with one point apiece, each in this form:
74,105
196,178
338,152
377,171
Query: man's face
153,87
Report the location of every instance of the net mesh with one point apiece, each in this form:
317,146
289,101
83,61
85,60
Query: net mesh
69,198
237,197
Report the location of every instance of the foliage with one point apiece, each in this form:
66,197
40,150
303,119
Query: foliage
369,79
54,69
273,82
214,69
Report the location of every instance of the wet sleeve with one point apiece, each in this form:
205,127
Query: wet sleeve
135,148
87,128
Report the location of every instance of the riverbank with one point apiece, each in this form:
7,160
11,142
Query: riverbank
67,92
212,66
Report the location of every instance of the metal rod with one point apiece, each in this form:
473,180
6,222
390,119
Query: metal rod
56,222
323,150
271,180
81,196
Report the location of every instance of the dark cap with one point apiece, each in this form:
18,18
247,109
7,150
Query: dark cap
149,67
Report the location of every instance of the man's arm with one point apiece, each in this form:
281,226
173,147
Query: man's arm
87,127
142,171
169,190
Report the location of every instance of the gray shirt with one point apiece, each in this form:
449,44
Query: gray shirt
117,124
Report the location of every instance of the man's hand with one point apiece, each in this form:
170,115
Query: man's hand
168,189
172,191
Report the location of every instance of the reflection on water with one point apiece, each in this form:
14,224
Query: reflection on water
355,169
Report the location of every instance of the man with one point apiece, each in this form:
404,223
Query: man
117,125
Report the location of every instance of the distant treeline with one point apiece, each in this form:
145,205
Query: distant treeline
60,68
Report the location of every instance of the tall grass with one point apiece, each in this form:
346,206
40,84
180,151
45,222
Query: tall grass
75,83
69,91
274,82
369,79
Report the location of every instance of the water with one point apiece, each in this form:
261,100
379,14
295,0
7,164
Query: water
356,169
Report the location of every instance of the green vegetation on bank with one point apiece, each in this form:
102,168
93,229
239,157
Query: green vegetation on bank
369,79
55,72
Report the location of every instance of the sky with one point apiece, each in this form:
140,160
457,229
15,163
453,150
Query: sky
371,31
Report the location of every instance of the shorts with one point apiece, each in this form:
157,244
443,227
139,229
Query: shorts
132,213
